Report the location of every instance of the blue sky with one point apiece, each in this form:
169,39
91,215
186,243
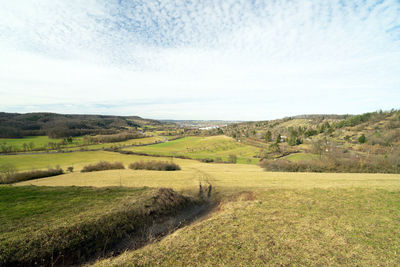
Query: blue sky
237,60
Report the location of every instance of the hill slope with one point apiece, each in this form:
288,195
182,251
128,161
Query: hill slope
15,125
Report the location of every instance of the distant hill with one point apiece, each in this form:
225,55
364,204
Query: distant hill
199,123
381,127
15,125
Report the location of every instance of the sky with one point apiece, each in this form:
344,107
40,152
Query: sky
217,59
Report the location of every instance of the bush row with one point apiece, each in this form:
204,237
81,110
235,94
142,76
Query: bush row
330,164
140,165
112,138
154,165
103,165
9,175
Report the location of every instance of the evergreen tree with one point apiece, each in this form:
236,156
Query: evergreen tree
362,139
268,136
278,138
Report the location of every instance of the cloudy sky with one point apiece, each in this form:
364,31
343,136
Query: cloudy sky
238,60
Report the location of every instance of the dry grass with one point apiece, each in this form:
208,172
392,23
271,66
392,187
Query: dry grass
316,227
227,176
76,159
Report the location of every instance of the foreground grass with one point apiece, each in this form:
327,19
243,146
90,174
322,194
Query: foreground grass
69,225
203,147
29,209
285,227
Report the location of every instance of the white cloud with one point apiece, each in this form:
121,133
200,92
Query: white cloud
204,59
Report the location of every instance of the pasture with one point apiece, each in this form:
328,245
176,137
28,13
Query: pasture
230,177
64,160
211,147
284,227
131,142
262,218
38,141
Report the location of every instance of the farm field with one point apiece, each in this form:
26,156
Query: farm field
38,141
212,147
262,218
64,160
225,177
131,142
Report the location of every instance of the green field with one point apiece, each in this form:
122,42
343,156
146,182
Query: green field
131,142
29,209
261,218
50,224
38,141
64,160
202,148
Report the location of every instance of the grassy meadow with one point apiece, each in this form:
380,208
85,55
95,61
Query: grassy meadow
38,141
49,226
131,142
30,209
285,227
211,147
260,218
64,160
224,177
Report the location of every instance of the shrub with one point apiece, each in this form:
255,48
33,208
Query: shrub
338,163
362,139
154,165
70,169
218,160
232,158
112,138
7,170
11,176
274,148
103,165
